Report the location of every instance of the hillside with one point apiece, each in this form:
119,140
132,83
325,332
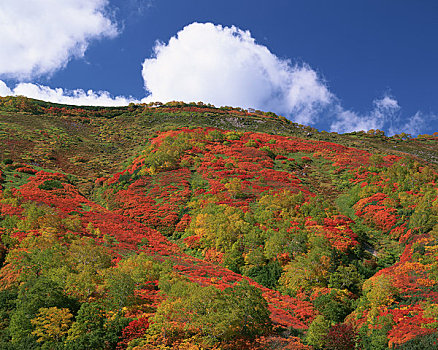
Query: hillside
186,226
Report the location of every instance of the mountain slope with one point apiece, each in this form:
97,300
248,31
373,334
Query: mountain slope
162,207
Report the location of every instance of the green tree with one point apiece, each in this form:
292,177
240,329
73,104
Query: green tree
380,290
120,286
236,312
87,261
93,329
317,332
267,275
374,335
346,277
425,215
233,259
334,306
35,294
8,299
308,270
37,255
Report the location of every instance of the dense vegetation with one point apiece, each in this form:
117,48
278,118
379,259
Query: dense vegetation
185,226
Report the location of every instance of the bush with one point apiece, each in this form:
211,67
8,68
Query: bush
340,337
215,135
50,185
428,341
266,275
251,143
233,135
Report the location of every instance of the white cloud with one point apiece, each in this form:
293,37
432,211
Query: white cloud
4,90
417,124
387,103
384,116
40,36
348,121
385,112
73,97
414,126
225,66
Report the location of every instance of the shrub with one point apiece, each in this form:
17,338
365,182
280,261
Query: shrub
340,337
50,185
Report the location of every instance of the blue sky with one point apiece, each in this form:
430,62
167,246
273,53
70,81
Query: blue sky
336,65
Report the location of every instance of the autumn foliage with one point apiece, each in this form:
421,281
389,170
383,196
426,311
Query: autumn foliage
210,238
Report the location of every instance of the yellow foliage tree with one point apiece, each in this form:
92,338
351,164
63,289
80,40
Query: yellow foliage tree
51,324
234,187
380,290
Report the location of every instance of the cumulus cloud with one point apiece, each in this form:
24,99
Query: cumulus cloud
415,125
4,90
72,97
39,37
384,113
225,66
